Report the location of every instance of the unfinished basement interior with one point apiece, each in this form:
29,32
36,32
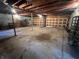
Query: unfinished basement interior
39,29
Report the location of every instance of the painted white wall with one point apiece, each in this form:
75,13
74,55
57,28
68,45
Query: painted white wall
7,18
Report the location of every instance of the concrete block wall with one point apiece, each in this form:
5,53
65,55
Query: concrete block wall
52,21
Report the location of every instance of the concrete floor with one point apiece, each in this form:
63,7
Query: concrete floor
38,43
6,33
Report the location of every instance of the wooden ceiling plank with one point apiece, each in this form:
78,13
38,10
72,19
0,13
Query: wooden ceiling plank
16,3
22,5
39,5
48,6
20,2
27,6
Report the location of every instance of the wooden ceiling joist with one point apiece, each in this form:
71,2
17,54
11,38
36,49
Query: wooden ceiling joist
27,6
49,6
43,4
20,2
16,3
22,5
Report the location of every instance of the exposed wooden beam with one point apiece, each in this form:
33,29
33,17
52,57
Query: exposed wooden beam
20,2
16,3
22,5
52,9
48,6
27,5
39,5
25,11
57,12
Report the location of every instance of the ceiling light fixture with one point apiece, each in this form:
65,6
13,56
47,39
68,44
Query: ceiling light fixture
16,16
76,4
39,15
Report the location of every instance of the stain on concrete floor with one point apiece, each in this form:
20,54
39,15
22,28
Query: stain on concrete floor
44,36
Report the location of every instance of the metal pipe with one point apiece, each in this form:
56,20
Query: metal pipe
13,25
32,20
